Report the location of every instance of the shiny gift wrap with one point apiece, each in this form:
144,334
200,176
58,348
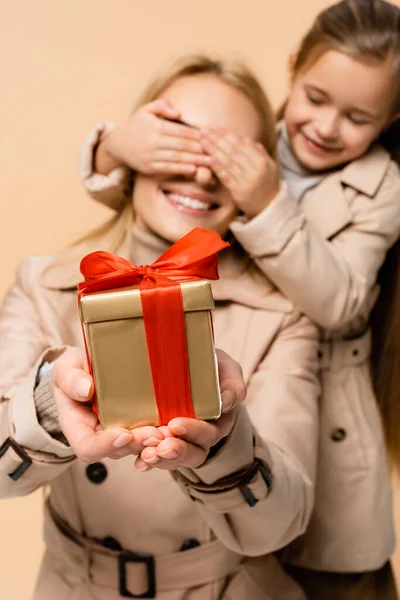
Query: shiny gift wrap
145,347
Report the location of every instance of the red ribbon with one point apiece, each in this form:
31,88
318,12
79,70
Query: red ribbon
192,257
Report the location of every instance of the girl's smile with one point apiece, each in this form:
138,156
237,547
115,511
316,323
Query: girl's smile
318,148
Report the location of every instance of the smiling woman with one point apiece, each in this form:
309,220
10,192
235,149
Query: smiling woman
172,204
242,485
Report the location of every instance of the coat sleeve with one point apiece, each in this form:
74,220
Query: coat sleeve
257,492
29,456
112,190
329,279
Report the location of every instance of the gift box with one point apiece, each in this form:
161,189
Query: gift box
148,334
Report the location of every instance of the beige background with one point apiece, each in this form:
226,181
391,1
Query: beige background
64,67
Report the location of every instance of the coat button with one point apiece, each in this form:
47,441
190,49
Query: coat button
189,544
111,543
96,472
338,435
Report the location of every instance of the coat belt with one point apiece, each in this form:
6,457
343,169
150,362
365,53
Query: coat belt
137,575
336,354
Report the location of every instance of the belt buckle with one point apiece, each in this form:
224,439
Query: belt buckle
258,467
26,460
148,560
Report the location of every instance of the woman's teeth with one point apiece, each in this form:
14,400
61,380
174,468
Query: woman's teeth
189,202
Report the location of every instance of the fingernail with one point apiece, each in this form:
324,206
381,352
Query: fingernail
144,468
169,453
122,440
228,399
82,387
153,460
152,441
178,429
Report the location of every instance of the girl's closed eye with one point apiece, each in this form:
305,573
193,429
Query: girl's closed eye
356,120
313,98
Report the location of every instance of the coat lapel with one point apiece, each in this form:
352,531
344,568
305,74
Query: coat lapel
328,206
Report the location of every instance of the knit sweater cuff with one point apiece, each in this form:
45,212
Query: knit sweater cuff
46,408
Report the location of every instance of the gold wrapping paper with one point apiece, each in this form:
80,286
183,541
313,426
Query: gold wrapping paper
116,341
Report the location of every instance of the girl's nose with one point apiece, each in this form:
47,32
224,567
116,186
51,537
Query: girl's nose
328,126
204,176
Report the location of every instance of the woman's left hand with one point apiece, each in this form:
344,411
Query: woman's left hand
244,167
188,441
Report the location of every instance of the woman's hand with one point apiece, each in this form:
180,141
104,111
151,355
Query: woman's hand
244,167
187,442
73,388
151,143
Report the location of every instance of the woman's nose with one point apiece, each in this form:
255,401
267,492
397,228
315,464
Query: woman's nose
204,176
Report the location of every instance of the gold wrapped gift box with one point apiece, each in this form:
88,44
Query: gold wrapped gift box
116,343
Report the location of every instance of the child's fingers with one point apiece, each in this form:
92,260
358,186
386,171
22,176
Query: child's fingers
169,128
229,175
169,142
163,108
232,148
171,168
176,156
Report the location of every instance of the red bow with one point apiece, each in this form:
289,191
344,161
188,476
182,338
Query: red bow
192,257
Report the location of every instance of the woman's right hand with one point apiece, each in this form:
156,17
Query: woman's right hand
150,142
73,389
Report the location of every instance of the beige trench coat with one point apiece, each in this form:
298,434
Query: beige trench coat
324,254
155,513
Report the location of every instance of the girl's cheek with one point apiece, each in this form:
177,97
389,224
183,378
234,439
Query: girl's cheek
358,139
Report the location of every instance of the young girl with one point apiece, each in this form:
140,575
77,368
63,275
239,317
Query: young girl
322,241
123,527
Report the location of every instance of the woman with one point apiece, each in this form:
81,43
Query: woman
111,529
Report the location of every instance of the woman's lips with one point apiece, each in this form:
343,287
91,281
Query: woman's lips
189,203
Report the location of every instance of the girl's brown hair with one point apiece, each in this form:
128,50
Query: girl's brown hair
369,31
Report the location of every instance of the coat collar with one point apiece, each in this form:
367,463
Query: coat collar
366,174
327,206
240,280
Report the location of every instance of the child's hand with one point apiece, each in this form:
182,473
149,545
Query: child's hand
73,388
244,167
192,439
149,142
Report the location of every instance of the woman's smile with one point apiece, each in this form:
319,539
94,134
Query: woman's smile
192,201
